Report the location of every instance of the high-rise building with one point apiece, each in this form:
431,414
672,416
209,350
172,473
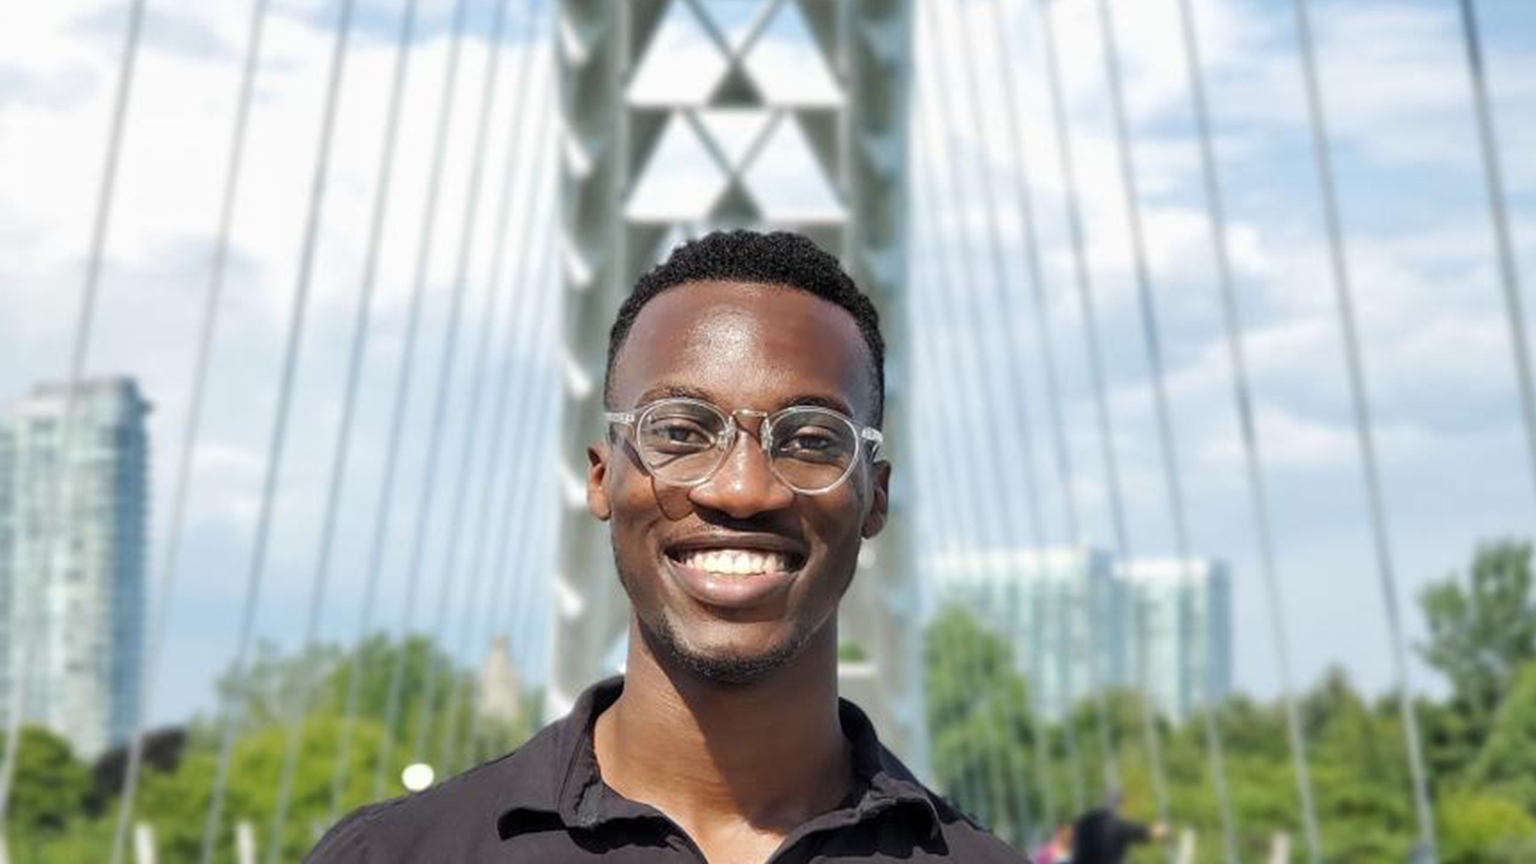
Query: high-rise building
1182,631
1080,621
73,523
1060,609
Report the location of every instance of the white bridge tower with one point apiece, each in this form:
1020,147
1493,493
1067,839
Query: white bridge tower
681,116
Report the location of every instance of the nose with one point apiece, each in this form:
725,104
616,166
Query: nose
744,485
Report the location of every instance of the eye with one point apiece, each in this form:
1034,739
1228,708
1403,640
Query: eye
680,433
814,442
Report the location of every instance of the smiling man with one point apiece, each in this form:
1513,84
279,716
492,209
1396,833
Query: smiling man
740,475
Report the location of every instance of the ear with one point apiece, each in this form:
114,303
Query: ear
597,491
874,520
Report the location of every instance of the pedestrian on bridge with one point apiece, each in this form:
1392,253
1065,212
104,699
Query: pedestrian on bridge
1103,836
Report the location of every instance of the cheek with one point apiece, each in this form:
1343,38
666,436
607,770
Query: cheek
631,497
838,523
638,506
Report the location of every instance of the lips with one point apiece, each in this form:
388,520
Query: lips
734,573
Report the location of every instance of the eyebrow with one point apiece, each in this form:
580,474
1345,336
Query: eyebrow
673,391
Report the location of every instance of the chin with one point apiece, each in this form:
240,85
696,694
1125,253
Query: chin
723,663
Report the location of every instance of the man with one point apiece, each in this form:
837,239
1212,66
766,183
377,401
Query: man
1103,836
740,475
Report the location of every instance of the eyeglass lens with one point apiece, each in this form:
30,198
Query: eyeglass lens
811,449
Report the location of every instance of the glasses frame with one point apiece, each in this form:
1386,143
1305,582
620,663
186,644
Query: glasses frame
866,439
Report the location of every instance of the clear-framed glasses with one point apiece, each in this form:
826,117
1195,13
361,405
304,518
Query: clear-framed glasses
684,441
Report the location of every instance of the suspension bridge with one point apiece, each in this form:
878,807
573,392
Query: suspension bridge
1213,298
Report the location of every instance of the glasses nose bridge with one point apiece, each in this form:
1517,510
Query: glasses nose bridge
734,426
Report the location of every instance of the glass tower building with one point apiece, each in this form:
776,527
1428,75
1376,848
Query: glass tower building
1182,647
1062,610
1080,621
73,522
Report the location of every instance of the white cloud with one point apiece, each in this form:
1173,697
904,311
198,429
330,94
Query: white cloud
56,88
1431,319
1434,337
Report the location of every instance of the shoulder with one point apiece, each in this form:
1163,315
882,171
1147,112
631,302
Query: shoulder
963,837
968,840
347,841
436,824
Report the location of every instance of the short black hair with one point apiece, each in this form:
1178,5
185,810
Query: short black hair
778,258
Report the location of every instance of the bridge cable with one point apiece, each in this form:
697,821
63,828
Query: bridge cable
471,428
1045,343
948,541
228,721
994,517
514,615
428,489
519,612
527,294
1084,285
1498,211
1009,311
84,321
953,652
149,666
1000,519
967,790
1360,403
1215,206
302,700
403,376
1166,435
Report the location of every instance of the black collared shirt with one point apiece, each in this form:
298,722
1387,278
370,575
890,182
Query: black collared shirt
547,803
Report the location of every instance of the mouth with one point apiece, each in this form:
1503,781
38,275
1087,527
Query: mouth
735,561
735,573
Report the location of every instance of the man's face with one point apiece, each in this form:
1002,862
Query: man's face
762,348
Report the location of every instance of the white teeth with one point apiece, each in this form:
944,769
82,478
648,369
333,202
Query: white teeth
735,562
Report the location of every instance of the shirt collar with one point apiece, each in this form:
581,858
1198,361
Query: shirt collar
561,775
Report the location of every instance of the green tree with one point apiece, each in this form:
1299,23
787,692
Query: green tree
979,724
1481,634
1358,772
1508,759
1481,828
175,802
50,790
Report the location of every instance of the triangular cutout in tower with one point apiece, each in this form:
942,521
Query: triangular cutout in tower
735,131
789,183
737,90
679,181
680,66
735,207
735,19
790,63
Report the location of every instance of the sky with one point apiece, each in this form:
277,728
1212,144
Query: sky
1433,331
1435,341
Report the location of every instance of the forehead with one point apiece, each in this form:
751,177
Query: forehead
745,346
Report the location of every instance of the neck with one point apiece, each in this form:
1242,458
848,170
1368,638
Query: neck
771,753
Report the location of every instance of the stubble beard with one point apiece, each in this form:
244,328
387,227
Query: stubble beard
661,636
